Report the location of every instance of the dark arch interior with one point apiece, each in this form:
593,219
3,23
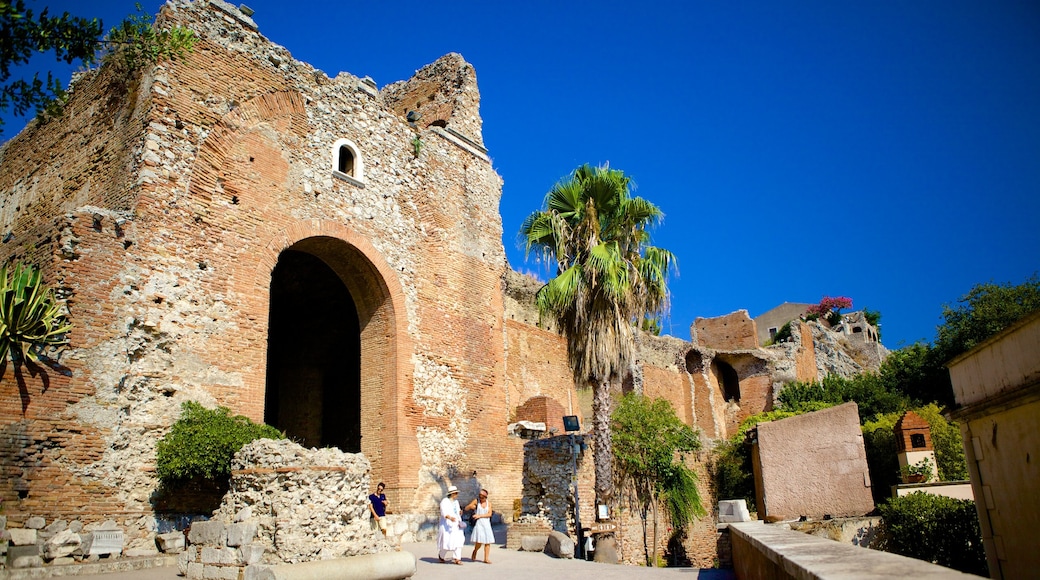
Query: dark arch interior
730,382
313,355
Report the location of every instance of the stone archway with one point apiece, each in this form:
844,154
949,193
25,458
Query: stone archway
331,360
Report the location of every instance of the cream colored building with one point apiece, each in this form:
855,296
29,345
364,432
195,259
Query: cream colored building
997,388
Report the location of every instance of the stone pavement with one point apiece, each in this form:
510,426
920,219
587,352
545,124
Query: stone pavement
506,565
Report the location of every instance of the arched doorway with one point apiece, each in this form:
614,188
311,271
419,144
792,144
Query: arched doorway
330,355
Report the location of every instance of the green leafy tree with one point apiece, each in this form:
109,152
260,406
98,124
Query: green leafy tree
202,443
608,278
31,319
869,392
650,442
984,311
73,39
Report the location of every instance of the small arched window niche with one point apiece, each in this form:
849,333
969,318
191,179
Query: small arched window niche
347,163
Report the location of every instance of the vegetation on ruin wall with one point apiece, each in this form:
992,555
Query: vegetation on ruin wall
650,442
31,319
131,44
934,528
202,443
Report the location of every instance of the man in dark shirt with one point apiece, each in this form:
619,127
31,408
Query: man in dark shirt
377,505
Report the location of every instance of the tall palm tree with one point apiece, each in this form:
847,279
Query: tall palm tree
608,279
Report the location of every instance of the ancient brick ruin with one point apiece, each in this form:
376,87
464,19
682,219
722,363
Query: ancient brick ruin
239,229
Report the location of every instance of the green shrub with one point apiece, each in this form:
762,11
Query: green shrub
934,528
203,442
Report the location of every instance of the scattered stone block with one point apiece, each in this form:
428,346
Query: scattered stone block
186,557
241,534
533,543
63,561
35,523
251,554
62,544
109,525
57,526
24,557
3,522
219,556
220,573
733,510
76,527
23,536
212,532
560,545
170,542
141,552
107,542
244,514
85,541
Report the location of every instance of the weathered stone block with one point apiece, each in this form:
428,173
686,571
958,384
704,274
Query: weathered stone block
171,542
57,526
62,544
533,543
3,522
241,534
35,523
210,532
24,557
195,570
76,526
251,554
254,572
560,545
733,510
220,573
185,557
86,540
22,536
63,561
107,542
211,555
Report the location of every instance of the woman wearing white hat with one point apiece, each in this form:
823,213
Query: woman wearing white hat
450,536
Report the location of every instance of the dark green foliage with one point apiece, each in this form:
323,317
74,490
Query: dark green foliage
24,34
984,311
73,39
919,374
936,529
203,442
868,391
782,335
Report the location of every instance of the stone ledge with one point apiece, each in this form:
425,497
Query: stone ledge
119,565
771,551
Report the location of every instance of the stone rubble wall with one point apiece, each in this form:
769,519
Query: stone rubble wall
304,504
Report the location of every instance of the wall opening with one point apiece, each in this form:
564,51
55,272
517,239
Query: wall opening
729,381
314,355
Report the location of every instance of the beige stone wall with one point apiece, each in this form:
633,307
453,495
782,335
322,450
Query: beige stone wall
812,465
734,331
997,385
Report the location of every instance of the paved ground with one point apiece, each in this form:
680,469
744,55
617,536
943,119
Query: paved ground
506,565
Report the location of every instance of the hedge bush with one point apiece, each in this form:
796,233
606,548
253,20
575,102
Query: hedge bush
935,528
203,442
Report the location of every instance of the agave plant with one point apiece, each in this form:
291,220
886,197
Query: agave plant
30,316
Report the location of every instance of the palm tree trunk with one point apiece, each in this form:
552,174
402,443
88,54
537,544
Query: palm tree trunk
603,453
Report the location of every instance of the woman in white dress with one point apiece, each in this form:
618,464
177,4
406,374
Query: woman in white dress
450,536
482,532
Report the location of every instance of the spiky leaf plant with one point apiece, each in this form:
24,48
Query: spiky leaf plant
30,316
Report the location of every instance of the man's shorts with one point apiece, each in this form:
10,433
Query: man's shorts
380,523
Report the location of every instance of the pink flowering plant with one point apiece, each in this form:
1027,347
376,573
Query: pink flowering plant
829,308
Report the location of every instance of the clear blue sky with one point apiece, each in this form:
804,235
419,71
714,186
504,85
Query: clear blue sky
887,151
